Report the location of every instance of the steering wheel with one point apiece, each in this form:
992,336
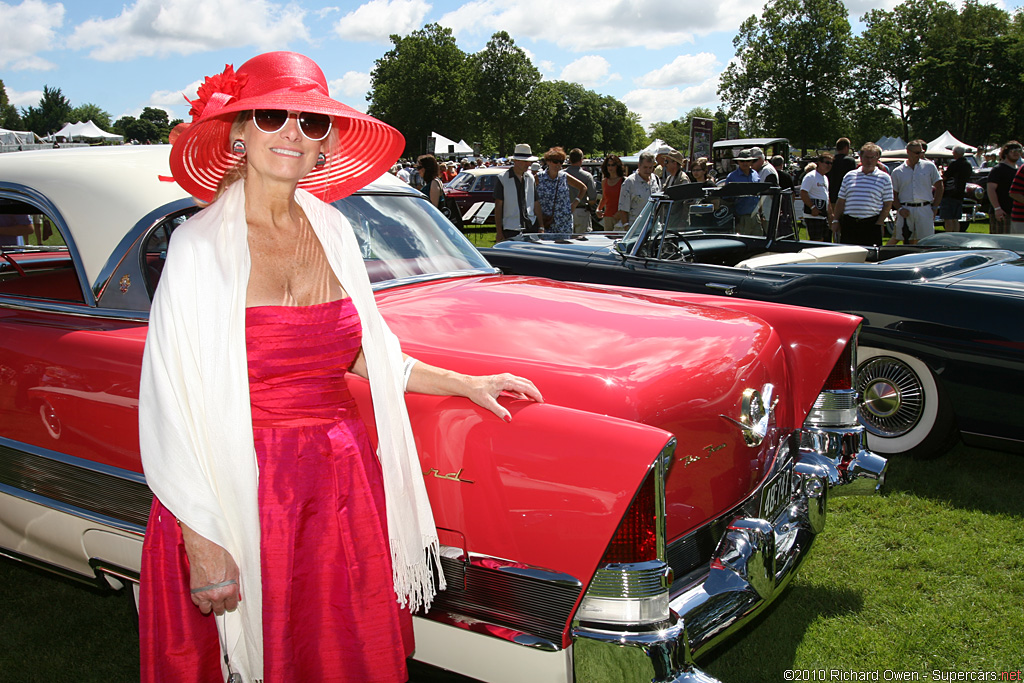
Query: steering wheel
671,251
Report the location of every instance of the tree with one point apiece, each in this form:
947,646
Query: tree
577,118
53,112
503,82
138,130
421,85
673,133
9,116
152,126
871,121
888,50
790,75
618,127
968,80
91,112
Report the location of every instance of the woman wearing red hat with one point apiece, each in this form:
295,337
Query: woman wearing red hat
271,511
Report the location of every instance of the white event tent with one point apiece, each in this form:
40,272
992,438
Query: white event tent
887,143
16,137
445,146
83,131
945,143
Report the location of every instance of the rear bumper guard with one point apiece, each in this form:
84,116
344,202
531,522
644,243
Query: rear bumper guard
752,565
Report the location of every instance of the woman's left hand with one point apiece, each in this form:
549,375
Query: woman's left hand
484,390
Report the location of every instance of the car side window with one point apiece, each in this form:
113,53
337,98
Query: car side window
34,258
154,250
485,183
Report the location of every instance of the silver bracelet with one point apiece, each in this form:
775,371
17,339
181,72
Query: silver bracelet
407,371
222,584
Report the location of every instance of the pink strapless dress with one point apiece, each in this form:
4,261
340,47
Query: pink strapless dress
329,607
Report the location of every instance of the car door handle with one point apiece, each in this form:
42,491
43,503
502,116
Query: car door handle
726,289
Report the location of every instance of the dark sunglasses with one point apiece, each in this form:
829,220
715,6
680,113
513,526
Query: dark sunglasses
314,126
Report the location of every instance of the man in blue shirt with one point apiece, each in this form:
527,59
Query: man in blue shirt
745,208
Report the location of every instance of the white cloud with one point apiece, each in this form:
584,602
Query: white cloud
167,27
351,89
28,98
682,70
589,71
582,25
668,104
29,28
324,11
165,99
377,20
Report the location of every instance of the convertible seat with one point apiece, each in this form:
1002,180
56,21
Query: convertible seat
839,253
775,259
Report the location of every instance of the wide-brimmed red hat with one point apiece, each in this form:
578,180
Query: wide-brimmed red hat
362,147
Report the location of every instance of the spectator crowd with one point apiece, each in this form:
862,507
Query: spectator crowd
841,197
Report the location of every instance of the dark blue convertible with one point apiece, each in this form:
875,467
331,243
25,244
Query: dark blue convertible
942,347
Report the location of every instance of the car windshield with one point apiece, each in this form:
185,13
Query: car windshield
462,182
403,237
400,236
753,209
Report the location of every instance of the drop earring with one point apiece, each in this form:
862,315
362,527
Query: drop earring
238,148
321,159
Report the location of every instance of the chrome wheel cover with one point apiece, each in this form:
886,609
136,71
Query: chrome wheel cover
893,396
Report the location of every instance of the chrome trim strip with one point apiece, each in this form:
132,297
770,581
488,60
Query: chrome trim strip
494,630
518,602
99,493
94,581
77,310
103,567
110,470
429,277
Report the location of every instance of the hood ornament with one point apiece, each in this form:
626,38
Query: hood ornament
755,415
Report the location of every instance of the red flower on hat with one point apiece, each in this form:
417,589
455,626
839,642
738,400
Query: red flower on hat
227,83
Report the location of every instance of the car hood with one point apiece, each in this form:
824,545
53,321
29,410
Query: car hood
671,364
586,347
606,349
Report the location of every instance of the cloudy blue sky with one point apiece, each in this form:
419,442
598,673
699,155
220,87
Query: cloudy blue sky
661,59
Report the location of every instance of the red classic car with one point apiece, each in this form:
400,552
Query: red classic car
666,492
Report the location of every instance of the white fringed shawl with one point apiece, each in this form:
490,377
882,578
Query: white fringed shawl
195,424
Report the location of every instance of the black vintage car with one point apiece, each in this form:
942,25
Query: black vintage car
942,346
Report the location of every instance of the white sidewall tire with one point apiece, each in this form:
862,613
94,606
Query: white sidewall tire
916,436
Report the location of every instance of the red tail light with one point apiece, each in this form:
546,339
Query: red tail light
636,539
841,377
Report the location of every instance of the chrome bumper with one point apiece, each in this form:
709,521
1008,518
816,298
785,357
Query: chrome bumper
754,562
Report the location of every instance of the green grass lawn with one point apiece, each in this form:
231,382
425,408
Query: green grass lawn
926,577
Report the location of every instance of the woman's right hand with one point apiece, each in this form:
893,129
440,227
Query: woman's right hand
213,574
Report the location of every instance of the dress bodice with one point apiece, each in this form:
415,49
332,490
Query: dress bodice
298,357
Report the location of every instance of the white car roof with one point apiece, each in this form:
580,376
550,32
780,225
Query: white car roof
102,192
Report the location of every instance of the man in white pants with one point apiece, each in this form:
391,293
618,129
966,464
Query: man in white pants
917,192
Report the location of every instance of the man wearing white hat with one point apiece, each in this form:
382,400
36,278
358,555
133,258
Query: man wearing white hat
515,197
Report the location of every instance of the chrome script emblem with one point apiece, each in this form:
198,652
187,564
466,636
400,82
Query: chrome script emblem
451,476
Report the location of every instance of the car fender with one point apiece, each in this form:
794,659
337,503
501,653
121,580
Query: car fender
547,489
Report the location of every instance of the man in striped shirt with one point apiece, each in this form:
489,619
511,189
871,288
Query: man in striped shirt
865,198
